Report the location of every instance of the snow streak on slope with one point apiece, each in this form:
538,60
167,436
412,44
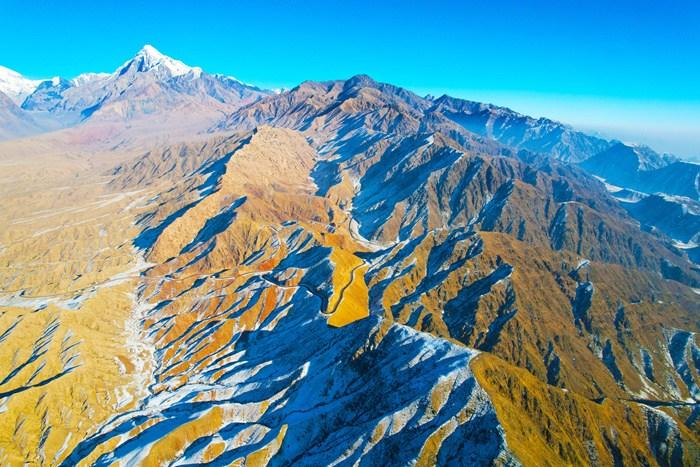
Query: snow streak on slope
262,376
247,363
316,293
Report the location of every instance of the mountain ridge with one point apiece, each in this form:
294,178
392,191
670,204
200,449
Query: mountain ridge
341,273
495,122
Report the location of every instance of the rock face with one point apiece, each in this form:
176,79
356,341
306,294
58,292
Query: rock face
349,273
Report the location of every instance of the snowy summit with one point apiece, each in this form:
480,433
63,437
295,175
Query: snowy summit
149,58
16,86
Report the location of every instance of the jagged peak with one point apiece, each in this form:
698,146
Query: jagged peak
54,82
85,78
148,49
149,58
361,81
16,86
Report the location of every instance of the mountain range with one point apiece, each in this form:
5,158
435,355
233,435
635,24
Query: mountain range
344,272
151,90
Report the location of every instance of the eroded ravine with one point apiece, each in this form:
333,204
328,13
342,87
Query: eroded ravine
249,365
265,328
71,347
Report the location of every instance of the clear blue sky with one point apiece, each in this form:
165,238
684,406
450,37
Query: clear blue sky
625,68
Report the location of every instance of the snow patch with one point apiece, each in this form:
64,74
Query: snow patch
152,58
16,86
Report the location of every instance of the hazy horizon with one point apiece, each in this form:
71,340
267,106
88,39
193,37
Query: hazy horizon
632,78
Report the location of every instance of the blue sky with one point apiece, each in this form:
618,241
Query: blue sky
623,68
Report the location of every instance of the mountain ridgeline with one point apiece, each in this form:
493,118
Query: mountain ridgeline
151,91
348,273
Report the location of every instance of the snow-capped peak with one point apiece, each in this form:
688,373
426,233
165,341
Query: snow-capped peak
88,78
196,72
222,77
148,58
16,86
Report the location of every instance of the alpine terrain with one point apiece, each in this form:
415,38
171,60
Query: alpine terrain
198,271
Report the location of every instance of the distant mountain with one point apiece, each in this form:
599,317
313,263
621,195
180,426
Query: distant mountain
520,131
643,170
342,273
86,78
15,122
151,89
679,217
15,86
678,178
621,164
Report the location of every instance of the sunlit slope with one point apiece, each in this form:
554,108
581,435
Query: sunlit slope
343,275
349,301
485,290
70,350
550,426
510,252
414,169
264,349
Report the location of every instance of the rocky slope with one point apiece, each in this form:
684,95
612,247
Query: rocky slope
263,349
149,94
344,273
364,206
520,131
150,83
406,189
